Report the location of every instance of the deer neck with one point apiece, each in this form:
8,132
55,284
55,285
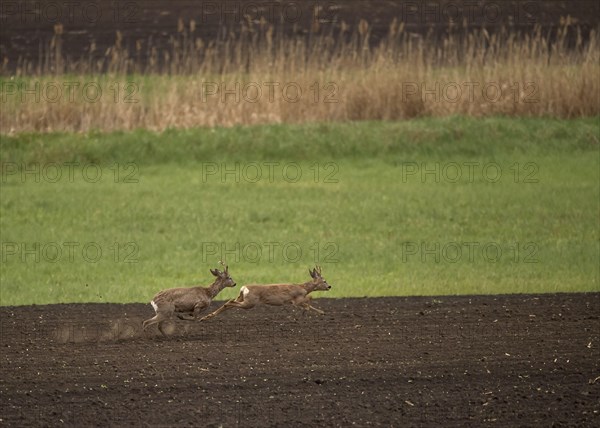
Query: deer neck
215,288
308,286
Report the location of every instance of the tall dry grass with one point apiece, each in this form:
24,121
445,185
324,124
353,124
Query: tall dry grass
342,77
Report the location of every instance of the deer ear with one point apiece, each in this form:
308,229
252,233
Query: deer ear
311,273
215,272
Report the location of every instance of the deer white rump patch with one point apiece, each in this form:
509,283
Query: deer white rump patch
245,290
154,305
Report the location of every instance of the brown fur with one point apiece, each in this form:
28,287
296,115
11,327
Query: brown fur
277,295
187,302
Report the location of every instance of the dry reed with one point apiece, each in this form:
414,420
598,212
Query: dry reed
254,77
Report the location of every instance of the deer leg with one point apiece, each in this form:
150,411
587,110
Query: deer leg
198,310
218,311
162,314
304,310
303,302
160,327
150,321
157,319
306,305
231,304
186,316
193,315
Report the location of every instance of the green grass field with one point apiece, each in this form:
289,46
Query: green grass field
423,207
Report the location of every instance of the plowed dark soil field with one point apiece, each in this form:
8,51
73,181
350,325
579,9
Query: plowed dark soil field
448,361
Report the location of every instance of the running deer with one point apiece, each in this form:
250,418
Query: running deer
277,295
187,303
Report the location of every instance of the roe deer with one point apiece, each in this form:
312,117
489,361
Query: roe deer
187,303
277,295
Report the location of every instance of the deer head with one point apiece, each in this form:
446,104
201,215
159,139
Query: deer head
223,278
318,280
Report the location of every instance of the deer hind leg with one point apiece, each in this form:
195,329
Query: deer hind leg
217,312
163,313
160,327
156,319
243,304
150,321
227,305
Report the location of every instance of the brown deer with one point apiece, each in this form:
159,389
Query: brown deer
187,303
277,295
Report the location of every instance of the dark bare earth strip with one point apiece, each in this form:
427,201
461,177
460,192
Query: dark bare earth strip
27,26
474,360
